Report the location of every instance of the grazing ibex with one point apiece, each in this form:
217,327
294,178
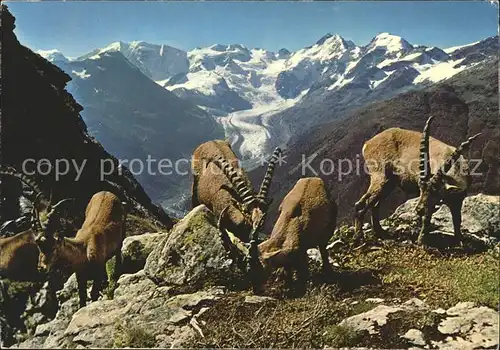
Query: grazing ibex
229,192
404,158
98,240
307,219
19,254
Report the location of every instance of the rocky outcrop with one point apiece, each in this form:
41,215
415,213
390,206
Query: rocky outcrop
463,326
193,254
136,249
140,315
480,218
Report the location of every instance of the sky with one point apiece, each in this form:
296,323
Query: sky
76,28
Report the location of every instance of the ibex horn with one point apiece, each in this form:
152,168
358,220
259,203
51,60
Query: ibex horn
13,172
425,166
266,182
454,156
58,204
221,216
246,194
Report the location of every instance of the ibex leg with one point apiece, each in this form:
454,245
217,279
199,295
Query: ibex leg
379,188
426,225
326,267
82,288
99,281
455,205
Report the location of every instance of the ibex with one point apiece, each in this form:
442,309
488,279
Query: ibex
99,239
19,257
405,158
19,254
307,219
229,193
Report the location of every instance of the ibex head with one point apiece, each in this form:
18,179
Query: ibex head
434,187
252,206
44,213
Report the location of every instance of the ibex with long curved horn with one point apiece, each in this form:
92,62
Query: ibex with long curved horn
405,158
442,185
98,240
230,192
19,254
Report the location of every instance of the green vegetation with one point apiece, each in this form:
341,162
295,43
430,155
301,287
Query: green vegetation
128,336
342,336
439,279
110,272
136,225
393,271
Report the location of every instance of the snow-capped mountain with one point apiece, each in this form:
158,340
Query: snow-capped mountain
135,118
333,72
157,62
263,98
52,55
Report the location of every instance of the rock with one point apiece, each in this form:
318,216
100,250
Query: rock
141,311
415,337
257,299
193,255
69,289
439,311
475,327
136,249
415,302
480,217
374,300
370,320
315,256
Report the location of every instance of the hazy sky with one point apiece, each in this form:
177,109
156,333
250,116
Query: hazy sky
76,28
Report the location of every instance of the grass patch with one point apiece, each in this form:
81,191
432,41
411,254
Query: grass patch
110,272
360,307
306,322
128,336
443,281
136,225
342,336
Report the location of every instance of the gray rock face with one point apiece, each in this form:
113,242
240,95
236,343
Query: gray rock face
480,217
136,249
193,254
371,320
140,315
463,326
469,327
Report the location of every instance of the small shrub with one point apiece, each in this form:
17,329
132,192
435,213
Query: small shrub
342,336
127,336
110,272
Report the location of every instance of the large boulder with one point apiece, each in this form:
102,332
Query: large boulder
193,255
463,326
480,217
135,250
